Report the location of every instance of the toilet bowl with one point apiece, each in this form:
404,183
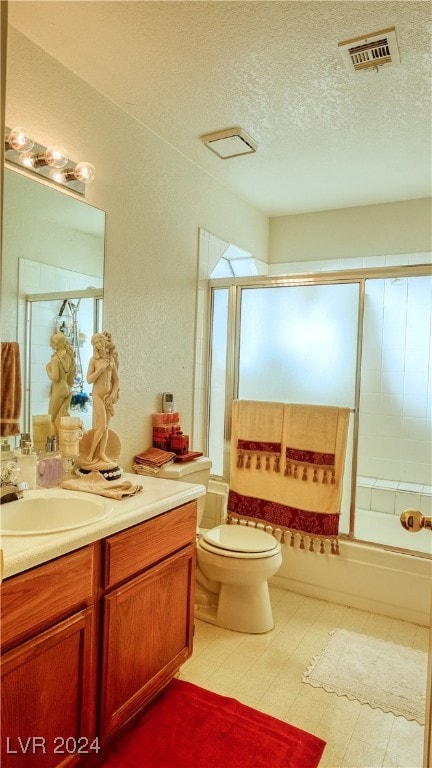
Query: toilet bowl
234,563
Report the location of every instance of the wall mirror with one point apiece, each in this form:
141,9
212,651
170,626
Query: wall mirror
52,279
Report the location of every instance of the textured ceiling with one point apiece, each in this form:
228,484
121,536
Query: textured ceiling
325,139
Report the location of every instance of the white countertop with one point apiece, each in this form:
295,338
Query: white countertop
157,496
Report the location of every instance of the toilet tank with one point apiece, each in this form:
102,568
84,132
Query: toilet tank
196,471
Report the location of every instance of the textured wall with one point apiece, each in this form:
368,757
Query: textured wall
155,202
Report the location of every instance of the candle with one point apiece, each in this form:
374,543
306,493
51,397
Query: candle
69,436
42,428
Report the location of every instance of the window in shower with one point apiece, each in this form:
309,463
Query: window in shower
298,344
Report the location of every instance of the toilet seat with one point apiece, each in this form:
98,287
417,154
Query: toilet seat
239,541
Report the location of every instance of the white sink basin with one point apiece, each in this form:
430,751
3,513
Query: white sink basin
51,511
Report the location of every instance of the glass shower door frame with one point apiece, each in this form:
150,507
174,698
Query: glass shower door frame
235,287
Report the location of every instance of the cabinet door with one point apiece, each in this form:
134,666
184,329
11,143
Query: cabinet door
147,635
48,697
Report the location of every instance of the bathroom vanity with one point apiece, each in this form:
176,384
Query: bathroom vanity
94,624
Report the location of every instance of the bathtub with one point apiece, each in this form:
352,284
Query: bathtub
363,576
215,504
372,578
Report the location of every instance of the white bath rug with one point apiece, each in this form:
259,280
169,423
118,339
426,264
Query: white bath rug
374,672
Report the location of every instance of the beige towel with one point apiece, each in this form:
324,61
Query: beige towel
256,444
256,433
314,447
303,493
11,390
94,482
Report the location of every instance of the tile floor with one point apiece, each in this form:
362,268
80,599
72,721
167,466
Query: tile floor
265,671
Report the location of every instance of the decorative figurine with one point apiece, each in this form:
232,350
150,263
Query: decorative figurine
100,446
61,370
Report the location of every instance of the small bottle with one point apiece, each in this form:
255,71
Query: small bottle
50,465
24,437
6,451
27,462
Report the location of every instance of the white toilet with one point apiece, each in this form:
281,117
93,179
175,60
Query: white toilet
234,563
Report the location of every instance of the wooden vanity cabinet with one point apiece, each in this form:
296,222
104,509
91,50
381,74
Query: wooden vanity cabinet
147,612
48,666
90,637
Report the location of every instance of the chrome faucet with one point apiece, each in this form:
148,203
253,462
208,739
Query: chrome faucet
10,493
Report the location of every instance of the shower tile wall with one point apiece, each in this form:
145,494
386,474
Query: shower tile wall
392,497
395,403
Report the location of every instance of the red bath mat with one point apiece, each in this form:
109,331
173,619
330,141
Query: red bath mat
190,727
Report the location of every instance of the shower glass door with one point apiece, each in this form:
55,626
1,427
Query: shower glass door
362,341
290,343
298,344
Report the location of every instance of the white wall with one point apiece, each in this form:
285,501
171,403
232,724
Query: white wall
155,202
368,231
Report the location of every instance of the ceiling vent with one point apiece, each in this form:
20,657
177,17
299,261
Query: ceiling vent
370,51
231,142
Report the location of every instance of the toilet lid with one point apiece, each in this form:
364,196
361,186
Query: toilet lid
239,538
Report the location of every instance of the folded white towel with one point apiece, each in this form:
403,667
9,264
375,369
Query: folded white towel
95,482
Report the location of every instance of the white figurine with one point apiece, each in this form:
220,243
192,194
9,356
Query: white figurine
61,370
103,375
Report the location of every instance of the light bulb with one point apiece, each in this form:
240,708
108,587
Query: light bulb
85,172
57,175
55,156
19,140
27,159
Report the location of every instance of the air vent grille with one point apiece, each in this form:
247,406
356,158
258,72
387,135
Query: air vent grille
231,142
370,51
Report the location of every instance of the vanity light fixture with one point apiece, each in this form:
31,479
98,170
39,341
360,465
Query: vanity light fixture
48,162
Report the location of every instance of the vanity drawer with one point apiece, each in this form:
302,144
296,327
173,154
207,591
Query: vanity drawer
36,598
133,550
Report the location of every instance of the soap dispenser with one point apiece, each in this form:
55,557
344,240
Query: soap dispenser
27,462
50,465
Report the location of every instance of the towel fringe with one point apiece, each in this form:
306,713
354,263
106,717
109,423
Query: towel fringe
299,540
245,460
